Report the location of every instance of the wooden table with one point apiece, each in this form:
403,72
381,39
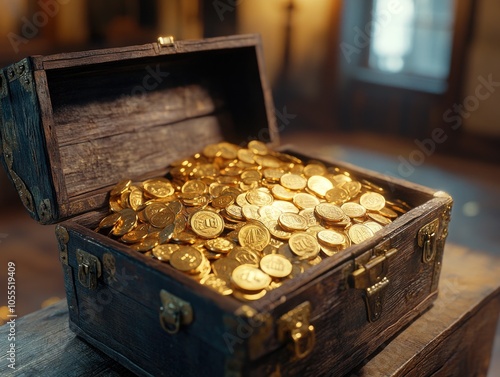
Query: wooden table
453,338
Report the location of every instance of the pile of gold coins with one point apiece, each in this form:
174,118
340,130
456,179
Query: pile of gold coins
244,220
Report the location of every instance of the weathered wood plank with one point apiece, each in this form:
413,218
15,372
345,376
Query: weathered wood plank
453,338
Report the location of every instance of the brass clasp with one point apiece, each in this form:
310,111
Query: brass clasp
295,324
167,41
174,312
89,269
427,240
372,278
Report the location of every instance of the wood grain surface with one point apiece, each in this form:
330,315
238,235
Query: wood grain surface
453,338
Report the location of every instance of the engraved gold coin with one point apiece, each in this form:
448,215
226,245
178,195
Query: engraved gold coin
219,245
303,200
223,201
292,222
330,238
224,267
284,206
250,278
293,181
259,198
258,147
314,169
329,212
158,188
276,265
353,210
121,187
165,251
282,193
337,196
207,224
109,220
127,222
217,284
254,237
304,245
372,201
186,259
359,233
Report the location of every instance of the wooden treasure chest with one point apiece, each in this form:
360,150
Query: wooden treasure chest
76,126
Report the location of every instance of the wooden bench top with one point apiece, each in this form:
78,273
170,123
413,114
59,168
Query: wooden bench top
453,338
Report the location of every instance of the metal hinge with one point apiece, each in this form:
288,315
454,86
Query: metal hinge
174,312
427,240
89,269
62,239
295,326
372,278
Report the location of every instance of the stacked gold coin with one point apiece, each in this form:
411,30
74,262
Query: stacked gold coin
243,220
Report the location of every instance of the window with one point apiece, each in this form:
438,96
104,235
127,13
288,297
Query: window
412,37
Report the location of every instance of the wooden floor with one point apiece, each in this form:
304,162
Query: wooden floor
475,187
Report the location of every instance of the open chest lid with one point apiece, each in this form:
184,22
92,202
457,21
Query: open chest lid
74,124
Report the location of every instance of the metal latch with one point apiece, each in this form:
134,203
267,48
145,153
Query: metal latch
372,278
426,238
174,312
295,324
166,41
89,269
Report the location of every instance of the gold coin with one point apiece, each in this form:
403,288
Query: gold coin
254,237
304,245
217,284
158,188
222,201
374,226
282,193
146,243
249,176
284,206
387,212
330,238
245,296
250,212
219,245
303,200
292,222
372,201
244,256
186,259
330,250
258,147
337,196
162,218
167,233
353,209
246,155
329,212
121,187
235,212
109,220
135,199
277,231
127,222
310,217
269,213
314,169
359,233
259,198
152,208
207,224
319,185
211,151
352,187
273,174
228,151
293,181
379,218
250,278
196,187
135,235
224,267
276,265
165,251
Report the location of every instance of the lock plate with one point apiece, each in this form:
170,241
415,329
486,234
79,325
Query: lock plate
427,239
89,269
295,325
372,278
174,312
